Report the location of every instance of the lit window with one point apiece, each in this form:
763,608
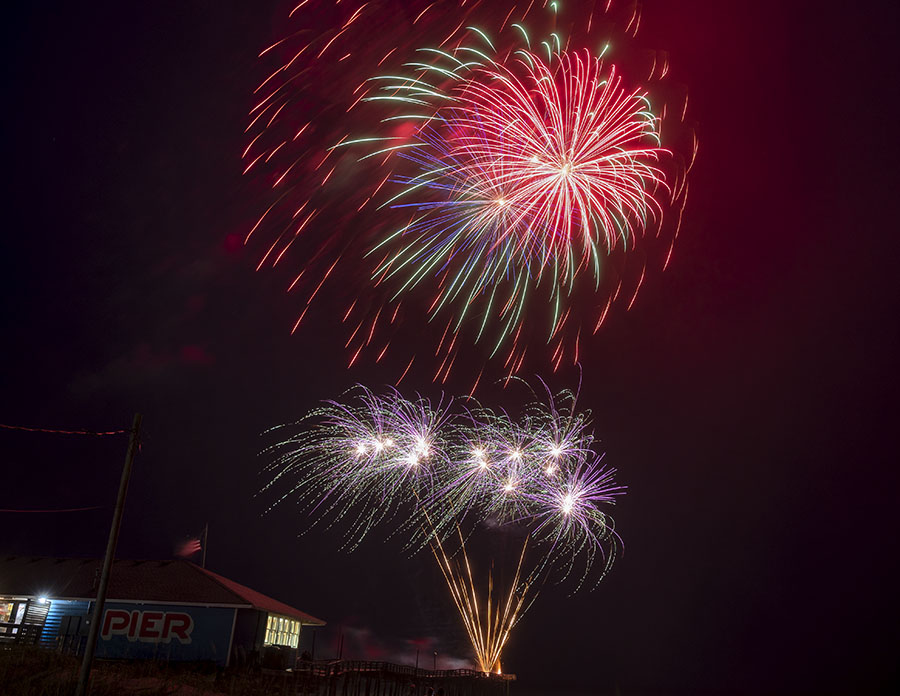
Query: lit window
280,630
6,611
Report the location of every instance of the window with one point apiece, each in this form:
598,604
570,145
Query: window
12,613
6,611
280,630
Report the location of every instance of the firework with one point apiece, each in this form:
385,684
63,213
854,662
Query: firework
524,181
435,474
469,175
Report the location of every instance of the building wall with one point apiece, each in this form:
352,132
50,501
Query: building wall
57,625
165,632
249,633
249,643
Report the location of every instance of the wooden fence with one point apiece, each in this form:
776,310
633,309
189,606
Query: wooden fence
366,678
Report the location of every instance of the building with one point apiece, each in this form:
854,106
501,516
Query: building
165,610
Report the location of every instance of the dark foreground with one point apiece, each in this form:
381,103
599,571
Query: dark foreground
36,672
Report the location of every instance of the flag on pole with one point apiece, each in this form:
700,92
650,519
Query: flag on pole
188,548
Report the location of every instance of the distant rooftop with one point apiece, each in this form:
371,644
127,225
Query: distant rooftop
166,582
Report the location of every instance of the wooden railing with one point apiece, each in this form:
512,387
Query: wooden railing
325,668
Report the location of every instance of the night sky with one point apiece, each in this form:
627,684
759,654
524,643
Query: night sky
749,399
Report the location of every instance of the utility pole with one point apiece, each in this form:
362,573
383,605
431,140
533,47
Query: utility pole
97,615
203,548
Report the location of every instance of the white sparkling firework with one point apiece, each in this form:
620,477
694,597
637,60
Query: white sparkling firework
434,475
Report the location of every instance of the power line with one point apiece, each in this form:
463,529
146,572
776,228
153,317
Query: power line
63,432
55,431
81,509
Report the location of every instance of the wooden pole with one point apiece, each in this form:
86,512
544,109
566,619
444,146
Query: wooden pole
84,674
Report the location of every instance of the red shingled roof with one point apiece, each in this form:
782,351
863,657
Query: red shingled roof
261,601
144,581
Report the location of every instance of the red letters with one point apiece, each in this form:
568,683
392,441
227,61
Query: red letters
135,619
148,631
180,626
148,626
115,623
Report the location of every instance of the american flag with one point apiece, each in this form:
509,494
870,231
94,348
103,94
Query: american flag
188,548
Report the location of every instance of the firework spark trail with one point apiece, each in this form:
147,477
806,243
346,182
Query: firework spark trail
490,174
538,176
426,472
488,637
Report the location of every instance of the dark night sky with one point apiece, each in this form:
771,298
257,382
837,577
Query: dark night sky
748,400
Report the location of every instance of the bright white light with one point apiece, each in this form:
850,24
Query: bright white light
509,487
42,600
555,450
478,453
361,448
515,454
567,504
388,442
412,460
379,446
534,158
550,470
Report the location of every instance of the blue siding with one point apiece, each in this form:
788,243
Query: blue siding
58,609
205,632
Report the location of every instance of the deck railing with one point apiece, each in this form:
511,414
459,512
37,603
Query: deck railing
324,668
